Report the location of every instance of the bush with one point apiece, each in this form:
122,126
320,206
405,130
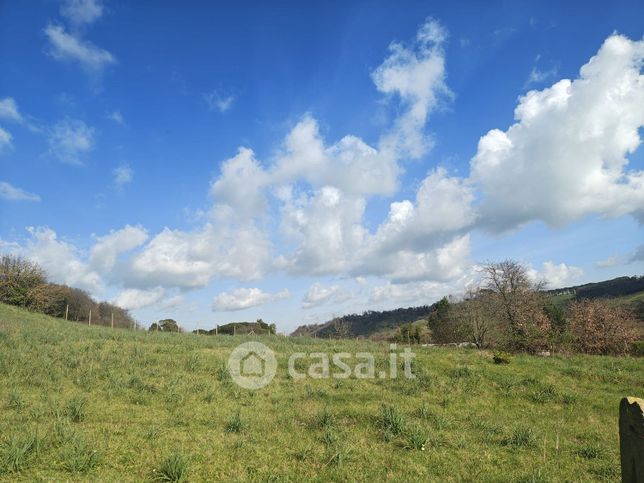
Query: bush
500,357
637,348
599,327
17,278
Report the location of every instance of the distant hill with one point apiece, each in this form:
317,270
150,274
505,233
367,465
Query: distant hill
617,287
365,324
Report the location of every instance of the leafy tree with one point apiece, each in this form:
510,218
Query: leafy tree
443,330
18,277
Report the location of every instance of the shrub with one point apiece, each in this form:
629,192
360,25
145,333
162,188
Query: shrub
18,277
500,357
599,327
637,348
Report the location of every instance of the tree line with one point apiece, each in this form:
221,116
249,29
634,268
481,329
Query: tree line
23,283
510,311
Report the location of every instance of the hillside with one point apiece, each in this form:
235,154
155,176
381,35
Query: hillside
365,324
97,404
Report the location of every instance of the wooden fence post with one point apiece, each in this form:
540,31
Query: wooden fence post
631,439
66,311
112,319
89,322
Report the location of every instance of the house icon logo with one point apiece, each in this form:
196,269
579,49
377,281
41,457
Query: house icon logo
252,365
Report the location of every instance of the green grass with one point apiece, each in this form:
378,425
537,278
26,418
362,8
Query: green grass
93,404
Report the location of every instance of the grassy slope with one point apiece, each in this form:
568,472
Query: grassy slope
149,394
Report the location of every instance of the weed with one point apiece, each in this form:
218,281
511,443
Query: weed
15,400
500,357
174,467
589,452
416,439
325,419
17,450
78,457
235,424
391,420
75,409
521,438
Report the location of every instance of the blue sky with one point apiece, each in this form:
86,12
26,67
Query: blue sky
214,162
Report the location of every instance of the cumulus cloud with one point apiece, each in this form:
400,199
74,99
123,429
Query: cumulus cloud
10,192
244,298
215,100
9,110
237,191
107,248
557,275
416,75
70,140
175,258
132,299
566,156
66,46
5,140
61,260
81,12
319,294
122,175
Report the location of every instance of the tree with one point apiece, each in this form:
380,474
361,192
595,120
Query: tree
50,299
18,277
517,302
441,327
599,327
341,329
165,325
473,318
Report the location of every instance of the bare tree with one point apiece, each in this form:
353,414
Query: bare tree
516,300
473,317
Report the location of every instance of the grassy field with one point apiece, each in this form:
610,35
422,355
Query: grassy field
91,403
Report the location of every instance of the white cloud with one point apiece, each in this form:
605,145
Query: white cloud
61,260
5,140
611,261
217,100
116,117
107,248
132,299
122,175
10,192
320,295
237,191
566,156
70,140
557,276
82,12
416,74
174,258
538,76
70,47
9,110
244,298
